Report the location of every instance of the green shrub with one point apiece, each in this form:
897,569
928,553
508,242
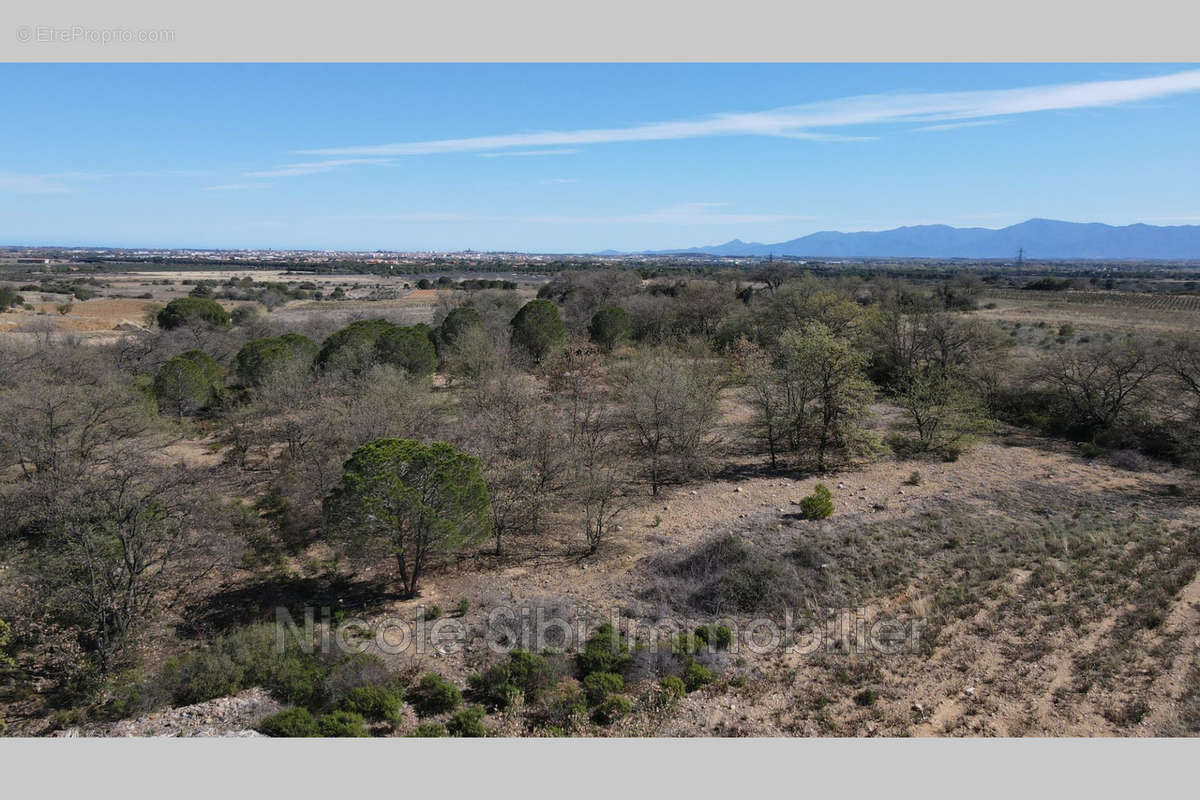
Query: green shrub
673,685
468,723
1091,450
866,697
433,694
561,705
614,706
695,676
720,637
433,612
187,383
914,478
524,673
292,723
603,652
464,605
409,348
184,310
429,730
375,703
609,327
599,685
259,357
819,504
341,725
537,328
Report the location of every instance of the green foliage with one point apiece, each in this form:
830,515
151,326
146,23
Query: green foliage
914,478
433,612
353,345
943,413
696,675
187,383
291,723
433,694
429,730
603,652
409,348
464,605
720,637
259,357
9,298
538,328
6,656
561,705
673,686
867,697
523,673
1091,450
376,703
341,724
468,723
191,310
612,707
599,685
455,324
819,504
417,502
610,326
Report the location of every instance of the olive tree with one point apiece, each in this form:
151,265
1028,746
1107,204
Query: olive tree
414,501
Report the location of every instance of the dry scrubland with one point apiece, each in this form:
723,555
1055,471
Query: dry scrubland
1050,562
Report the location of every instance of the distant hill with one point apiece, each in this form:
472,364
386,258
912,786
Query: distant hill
1040,238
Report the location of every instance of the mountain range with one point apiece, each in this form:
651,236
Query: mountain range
1038,238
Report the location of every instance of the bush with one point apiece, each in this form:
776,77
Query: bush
187,383
468,723
603,652
464,605
866,697
537,328
524,673
695,676
185,310
674,686
561,705
341,725
819,504
613,707
719,637
433,694
609,327
259,357
291,723
599,685
409,348
1091,450
914,478
10,298
429,730
376,703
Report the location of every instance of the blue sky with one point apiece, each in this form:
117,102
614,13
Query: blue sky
577,158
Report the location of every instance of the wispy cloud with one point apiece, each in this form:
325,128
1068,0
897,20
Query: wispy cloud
32,184
814,120
949,126
235,187
686,214
556,151
313,167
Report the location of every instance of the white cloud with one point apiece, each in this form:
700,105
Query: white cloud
557,151
809,121
950,126
313,167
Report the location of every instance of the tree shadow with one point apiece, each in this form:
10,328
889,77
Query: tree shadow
257,602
